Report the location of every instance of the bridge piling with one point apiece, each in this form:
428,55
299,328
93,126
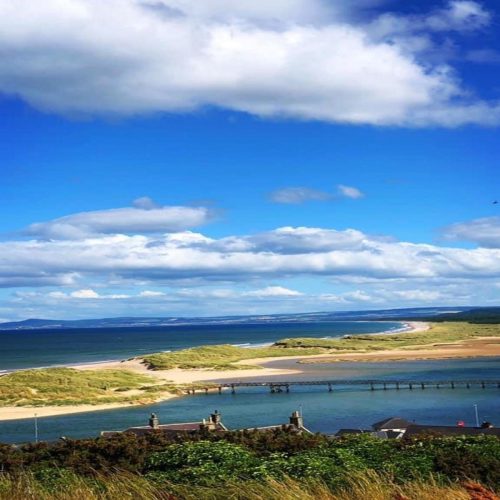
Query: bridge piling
372,385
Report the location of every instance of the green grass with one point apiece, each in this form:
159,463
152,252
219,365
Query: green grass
440,333
67,386
62,485
225,357
219,357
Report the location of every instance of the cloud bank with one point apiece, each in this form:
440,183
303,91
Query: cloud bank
283,252
484,232
307,60
95,271
144,217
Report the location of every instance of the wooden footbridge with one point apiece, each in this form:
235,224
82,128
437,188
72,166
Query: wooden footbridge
276,387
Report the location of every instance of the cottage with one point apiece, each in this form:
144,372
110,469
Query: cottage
295,425
212,424
396,428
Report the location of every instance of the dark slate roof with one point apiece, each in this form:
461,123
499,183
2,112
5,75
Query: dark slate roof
415,430
391,423
166,428
380,434
285,427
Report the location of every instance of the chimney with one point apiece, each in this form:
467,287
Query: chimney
297,420
204,425
154,423
215,417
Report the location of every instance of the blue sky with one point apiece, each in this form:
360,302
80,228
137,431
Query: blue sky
216,159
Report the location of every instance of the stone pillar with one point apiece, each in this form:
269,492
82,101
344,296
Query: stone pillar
297,420
215,417
154,422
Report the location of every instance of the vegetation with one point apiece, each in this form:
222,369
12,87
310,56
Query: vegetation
67,386
226,357
253,465
66,486
218,357
441,333
486,315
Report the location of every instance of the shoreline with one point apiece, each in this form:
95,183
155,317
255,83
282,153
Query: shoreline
408,326
473,348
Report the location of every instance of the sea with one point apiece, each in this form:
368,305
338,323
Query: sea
345,407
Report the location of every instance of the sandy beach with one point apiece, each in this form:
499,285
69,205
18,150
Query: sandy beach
479,347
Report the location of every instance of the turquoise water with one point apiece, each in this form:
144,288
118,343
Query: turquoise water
323,411
40,348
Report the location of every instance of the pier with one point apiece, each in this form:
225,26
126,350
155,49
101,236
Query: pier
373,385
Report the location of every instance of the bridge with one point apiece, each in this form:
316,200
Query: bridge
276,387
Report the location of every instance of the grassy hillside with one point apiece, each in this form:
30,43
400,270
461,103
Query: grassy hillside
219,357
440,333
67,386
252,466
224,357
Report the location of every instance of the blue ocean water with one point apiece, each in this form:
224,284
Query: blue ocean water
41,348
326,412
352,407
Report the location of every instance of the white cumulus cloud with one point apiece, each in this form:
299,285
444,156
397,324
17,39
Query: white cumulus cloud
350,192
273,291
144,217
485,231
286,58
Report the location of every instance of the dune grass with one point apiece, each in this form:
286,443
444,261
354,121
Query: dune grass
219,357
69,486
439,333
67,386
225,357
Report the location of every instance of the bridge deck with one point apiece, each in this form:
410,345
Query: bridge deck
361,382
373,384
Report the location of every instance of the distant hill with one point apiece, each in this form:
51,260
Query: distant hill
422,313
481,315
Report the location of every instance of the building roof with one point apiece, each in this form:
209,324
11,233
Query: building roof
281,427
391,423
388,434
214,423
415,430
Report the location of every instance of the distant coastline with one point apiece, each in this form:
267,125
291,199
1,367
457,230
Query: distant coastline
478,347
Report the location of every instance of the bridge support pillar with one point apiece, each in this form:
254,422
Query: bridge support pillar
397,386
422,385
410,386
372,388
483,385
220,389
330,388
453,385
233,390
